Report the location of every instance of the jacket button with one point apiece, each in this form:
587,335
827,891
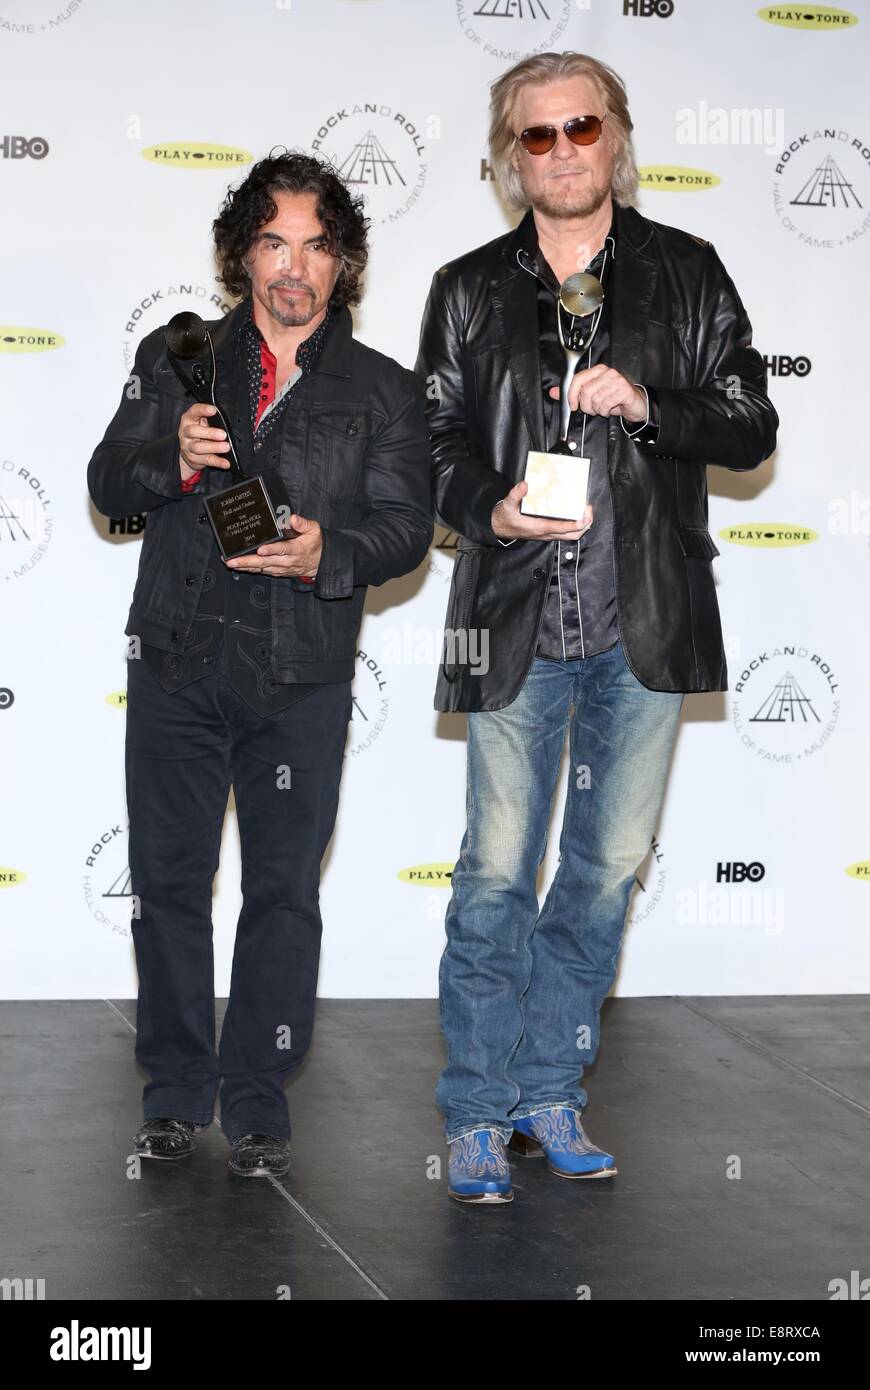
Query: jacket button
173,636
189,579
207,660
202,518
539,574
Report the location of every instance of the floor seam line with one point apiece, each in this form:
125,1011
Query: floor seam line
775,1056
312,1221
120,1015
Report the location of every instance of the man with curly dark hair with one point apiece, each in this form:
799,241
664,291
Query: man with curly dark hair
243,667
248,210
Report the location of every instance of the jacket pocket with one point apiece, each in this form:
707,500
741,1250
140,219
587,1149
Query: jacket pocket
155,594
459,610
338,437
696,543
172,400
659,349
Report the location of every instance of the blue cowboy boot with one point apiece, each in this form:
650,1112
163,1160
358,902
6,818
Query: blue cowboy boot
478,1170
558,1134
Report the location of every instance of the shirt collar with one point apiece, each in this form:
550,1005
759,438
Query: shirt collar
308,350
527,240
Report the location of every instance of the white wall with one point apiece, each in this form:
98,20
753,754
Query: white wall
95,229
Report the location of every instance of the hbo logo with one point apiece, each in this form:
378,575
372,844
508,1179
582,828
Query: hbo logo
788,366
663,9
735,871
17,147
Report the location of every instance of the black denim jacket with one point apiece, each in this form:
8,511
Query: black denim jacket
352,453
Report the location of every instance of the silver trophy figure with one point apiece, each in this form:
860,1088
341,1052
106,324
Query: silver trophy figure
558,479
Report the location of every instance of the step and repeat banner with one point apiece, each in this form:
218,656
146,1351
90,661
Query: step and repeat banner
122,126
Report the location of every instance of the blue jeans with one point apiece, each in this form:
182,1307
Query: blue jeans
521,989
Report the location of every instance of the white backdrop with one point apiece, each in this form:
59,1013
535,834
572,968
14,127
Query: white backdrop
123,125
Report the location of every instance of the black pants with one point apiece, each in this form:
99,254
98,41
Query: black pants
183,751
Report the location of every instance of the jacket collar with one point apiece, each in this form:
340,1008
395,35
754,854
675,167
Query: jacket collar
515,305
232,389
628,226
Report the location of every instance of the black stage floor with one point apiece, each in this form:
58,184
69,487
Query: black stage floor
682,1087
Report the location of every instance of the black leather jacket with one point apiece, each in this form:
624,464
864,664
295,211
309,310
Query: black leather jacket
352,452
677,324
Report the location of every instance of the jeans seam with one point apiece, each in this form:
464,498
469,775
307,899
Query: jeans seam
188,1119
482,1129
534,927
551,1105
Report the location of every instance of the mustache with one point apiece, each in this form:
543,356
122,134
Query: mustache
291,285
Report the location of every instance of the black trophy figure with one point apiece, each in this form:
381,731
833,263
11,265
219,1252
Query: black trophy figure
243,515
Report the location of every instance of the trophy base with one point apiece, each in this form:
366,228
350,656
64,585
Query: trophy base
557,486
243,517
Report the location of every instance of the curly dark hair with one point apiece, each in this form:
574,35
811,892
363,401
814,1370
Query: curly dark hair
250,206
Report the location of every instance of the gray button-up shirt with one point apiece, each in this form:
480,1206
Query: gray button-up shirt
579,617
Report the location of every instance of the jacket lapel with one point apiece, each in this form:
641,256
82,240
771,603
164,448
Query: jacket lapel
515,305
231,387
634,283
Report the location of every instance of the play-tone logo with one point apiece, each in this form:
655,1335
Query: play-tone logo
117,699
428,875
14,339
194,154
860,870
673,178
10,878
768,535
819,17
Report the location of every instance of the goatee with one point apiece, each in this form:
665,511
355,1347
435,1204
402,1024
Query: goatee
581,205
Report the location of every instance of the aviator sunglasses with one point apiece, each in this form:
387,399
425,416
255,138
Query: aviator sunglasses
580,130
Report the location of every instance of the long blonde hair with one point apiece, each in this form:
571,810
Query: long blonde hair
554,67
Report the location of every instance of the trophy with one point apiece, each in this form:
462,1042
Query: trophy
243,516
558,479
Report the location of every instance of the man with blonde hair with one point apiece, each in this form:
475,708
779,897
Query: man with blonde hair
597,625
